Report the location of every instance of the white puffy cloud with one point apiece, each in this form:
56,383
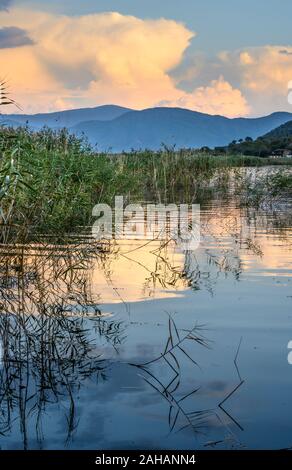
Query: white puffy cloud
219,97
95,59
265,69
259,74
107,58
263,74
112,58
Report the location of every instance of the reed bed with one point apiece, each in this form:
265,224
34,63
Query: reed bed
51,180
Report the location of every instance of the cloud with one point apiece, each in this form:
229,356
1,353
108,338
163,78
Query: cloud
113,58
12,36
245,58
219,97
95,59
263,74
5,4
126,59
265,69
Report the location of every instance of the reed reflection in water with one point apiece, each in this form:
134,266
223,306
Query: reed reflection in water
96,336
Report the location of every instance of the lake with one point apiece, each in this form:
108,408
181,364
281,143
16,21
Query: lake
141,345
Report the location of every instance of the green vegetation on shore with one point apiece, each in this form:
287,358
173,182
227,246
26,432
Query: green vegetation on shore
50,181
276,142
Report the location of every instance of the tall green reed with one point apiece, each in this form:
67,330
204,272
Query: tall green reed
51,180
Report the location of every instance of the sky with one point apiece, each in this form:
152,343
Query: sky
219,57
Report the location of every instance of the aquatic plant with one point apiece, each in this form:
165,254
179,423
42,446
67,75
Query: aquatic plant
50,180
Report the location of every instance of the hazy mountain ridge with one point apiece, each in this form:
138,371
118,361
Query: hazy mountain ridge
114,128
68,118
151,128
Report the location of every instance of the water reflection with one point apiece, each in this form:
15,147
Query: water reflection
231,238
181,417
177,345
47,324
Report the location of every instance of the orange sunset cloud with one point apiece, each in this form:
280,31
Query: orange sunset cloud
105,58
78,61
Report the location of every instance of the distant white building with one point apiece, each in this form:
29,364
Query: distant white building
282,153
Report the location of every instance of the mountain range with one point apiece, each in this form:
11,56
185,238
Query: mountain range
115,128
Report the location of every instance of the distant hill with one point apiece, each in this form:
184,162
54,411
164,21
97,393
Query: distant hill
67,118
173,126
114,128
275,142
282,132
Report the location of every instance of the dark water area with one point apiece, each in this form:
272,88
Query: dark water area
145,346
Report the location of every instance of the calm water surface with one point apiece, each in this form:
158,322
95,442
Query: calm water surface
211,326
